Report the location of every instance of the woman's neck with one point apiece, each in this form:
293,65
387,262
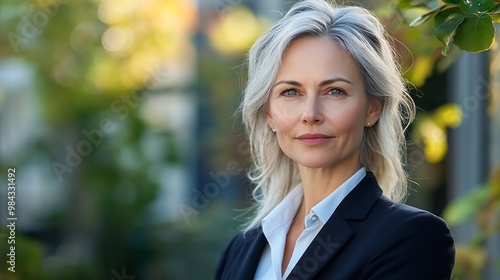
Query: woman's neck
318,183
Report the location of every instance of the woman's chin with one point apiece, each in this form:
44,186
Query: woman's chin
315,163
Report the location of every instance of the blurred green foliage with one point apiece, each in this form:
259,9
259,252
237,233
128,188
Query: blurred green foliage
469,24
176,250
81,69
95,63
482,207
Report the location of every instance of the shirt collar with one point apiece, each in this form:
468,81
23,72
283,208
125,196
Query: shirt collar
283,214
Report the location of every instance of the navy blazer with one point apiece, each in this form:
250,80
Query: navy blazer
367,237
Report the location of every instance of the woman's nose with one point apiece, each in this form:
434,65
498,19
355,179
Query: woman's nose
312,112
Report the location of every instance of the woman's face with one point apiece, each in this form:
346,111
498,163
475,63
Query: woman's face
318,105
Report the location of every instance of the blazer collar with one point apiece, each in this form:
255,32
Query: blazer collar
336,232
358,203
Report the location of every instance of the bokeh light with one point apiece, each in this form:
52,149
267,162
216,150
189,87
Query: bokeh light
236,30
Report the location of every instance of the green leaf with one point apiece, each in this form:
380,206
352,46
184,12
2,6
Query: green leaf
494,9
475,6
452,1
475,34
495,17
446,29
465,207
443,14
421,19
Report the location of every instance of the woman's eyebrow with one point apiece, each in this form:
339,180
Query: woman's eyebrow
289,82
323,83
331,81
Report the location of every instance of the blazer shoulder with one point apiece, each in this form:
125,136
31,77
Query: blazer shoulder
241,255
412,242
240,240
244,238
402,212
395,221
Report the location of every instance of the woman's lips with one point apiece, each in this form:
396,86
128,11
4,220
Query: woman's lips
314,139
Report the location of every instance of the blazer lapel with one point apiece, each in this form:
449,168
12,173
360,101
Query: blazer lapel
254,248
336,232
331,238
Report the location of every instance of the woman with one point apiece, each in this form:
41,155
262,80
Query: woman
325,110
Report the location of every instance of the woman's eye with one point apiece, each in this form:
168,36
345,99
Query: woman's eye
289,92
335,91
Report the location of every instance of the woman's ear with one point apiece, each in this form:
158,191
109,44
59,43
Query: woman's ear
270,120
374,110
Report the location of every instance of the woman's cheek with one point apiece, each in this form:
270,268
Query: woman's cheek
289,113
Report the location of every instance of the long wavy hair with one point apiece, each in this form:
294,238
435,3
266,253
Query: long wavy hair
361,34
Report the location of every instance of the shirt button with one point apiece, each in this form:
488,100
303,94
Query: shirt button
314,218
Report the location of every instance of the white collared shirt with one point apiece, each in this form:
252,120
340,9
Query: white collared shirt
276,224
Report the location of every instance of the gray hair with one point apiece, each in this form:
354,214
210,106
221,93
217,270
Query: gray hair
361,34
